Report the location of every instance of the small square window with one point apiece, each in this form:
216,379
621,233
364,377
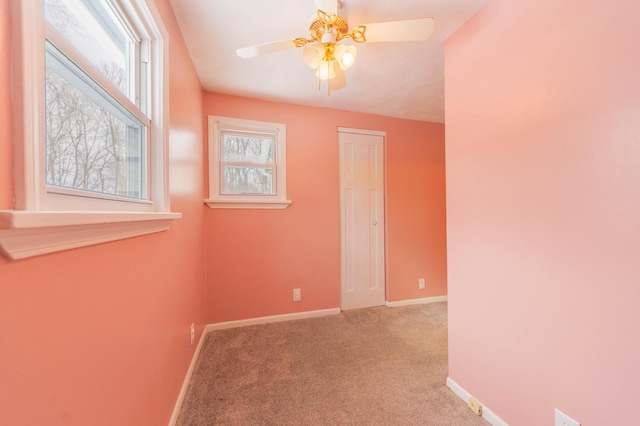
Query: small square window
247,164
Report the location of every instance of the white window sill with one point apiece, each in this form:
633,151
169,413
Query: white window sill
248,204
31,233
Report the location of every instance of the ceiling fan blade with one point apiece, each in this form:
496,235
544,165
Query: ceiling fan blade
339,81
327,6
407,30
262,49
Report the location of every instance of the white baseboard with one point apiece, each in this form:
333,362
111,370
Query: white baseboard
187,379
270,319
487,414
422,301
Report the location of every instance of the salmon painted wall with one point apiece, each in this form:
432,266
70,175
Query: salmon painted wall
256,257
543,180
100,335
6,149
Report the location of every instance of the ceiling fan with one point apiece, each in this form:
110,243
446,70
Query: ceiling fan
323,50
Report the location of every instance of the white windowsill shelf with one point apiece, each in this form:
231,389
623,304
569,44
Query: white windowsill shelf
31,233
248,204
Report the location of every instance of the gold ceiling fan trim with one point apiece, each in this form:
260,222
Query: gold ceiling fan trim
329,22
325,22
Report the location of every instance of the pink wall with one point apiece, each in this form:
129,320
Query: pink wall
256,257
543,177
100,335
6,149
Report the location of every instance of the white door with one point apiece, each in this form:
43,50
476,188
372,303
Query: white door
362,217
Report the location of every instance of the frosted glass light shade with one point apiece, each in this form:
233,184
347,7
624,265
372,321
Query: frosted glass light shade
313,54
326,70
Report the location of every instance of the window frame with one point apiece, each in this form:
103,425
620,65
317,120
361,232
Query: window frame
67,62
37,225
218,125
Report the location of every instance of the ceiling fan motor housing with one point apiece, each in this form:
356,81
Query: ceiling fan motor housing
323,23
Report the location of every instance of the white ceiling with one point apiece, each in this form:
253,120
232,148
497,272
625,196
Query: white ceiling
397,79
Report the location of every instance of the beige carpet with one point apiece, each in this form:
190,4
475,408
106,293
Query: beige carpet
376,366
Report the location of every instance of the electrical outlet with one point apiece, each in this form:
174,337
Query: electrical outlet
297,295
421,283
563,420
192,332
475,406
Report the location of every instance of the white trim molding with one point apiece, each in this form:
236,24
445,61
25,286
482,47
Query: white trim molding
487,414
422,301
25,234
362,131
233,204
271,319
187,380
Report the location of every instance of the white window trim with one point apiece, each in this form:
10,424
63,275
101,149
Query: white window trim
217,200
33,229
25,234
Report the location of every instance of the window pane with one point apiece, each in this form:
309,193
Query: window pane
89,145
94,30
247,149
247,180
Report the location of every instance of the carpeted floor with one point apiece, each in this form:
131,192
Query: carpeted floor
375,366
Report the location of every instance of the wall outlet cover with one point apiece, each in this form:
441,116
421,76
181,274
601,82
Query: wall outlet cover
475,406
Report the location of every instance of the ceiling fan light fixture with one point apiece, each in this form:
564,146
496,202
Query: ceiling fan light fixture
313,54
326,70
345,55
323,52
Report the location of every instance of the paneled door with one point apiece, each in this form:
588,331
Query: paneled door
362,217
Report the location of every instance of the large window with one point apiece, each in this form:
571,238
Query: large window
247,164
91,91
97,78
